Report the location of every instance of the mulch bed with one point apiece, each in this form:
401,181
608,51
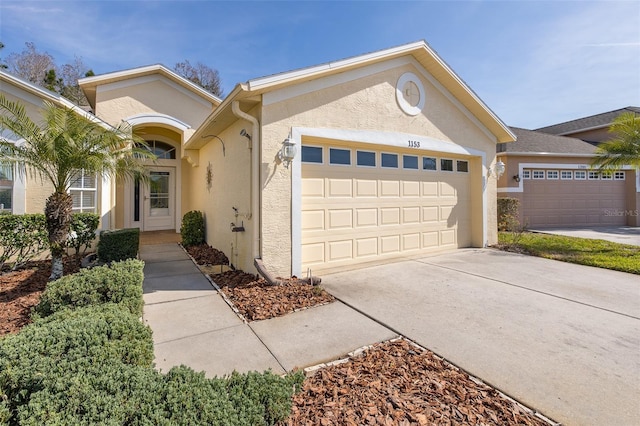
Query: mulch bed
205,255
256,300
397,383
20,291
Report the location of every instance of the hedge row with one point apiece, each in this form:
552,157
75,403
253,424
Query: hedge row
87,359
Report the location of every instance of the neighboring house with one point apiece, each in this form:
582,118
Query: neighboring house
393,159
553,179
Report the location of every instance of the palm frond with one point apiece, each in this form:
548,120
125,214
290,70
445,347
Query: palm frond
624,148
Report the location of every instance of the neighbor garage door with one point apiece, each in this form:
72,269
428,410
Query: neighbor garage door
573,198
362,205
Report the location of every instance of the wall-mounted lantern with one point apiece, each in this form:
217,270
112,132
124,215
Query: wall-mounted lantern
516,178
288,152
497,169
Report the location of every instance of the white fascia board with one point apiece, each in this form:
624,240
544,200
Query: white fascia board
152,78
165,119
277,78
546,154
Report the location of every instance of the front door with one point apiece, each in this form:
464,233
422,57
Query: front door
159,199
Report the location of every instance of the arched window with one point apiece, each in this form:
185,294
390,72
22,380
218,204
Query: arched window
162,150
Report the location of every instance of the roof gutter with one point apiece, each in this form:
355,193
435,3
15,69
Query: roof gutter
255,174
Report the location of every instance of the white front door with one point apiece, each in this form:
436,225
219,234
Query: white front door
159,199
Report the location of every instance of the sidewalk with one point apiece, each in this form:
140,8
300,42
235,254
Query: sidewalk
193,325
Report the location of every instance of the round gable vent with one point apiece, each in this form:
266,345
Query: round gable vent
410,93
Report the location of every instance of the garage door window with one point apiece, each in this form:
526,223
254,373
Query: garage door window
580,175
429,163
566,175
389,160
552,174
538,174
594,175
366,158
312,154
410,162
446,165
526,174
618,175
462,166
341,157
606,175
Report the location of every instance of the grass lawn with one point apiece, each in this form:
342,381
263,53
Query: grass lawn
600,253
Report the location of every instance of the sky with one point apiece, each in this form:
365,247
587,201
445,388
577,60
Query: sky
534,63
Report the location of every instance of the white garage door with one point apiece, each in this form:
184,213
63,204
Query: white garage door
362,205
573,198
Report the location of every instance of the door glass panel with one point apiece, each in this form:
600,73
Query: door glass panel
159,194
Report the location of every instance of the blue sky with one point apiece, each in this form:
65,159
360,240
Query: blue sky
534,63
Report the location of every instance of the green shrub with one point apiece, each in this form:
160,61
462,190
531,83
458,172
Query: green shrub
508,212
22,237
192,229
83,231
119,244
120,282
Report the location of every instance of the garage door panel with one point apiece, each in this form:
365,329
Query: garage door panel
339,188
340,219
354,215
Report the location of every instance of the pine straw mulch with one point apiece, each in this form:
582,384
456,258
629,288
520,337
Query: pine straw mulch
256,300
20,291
398,383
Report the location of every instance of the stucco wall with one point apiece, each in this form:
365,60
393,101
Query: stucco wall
117,101
367,103
230,187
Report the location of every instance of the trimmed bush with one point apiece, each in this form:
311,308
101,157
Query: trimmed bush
83,231
192,229
508,213
120,282
22,237
117,245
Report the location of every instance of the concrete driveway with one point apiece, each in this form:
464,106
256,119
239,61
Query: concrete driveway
616,234
561,338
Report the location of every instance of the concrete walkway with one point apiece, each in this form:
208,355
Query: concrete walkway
193,325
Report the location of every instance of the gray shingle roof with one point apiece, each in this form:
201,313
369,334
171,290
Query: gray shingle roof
538,142
593,121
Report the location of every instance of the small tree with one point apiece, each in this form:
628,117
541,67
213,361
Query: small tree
202,75
56,150
624,148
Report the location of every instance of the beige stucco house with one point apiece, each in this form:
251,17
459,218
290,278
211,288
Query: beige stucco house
394,157
553,177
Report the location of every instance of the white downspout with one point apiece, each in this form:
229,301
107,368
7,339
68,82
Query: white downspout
255,174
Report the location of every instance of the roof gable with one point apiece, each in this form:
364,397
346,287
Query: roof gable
90,84
597,121
535,142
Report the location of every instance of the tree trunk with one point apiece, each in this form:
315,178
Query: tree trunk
57,212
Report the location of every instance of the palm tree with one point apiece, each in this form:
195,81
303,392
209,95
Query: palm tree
57,149
624,148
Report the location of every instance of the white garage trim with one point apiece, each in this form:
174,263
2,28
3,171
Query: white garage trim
394,139
569,166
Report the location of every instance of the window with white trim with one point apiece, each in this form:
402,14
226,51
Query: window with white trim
339,156
84,192
538,174
446,165
606,175
389,160
6,188
552,174
462,166
366,158
566,175
580,175
410,162
526,174
429,163
618,175
594,175
311,154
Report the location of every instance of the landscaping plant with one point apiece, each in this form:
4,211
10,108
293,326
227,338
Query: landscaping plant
192,229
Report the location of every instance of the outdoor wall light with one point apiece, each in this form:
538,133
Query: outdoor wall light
497,169
288,152
516,178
